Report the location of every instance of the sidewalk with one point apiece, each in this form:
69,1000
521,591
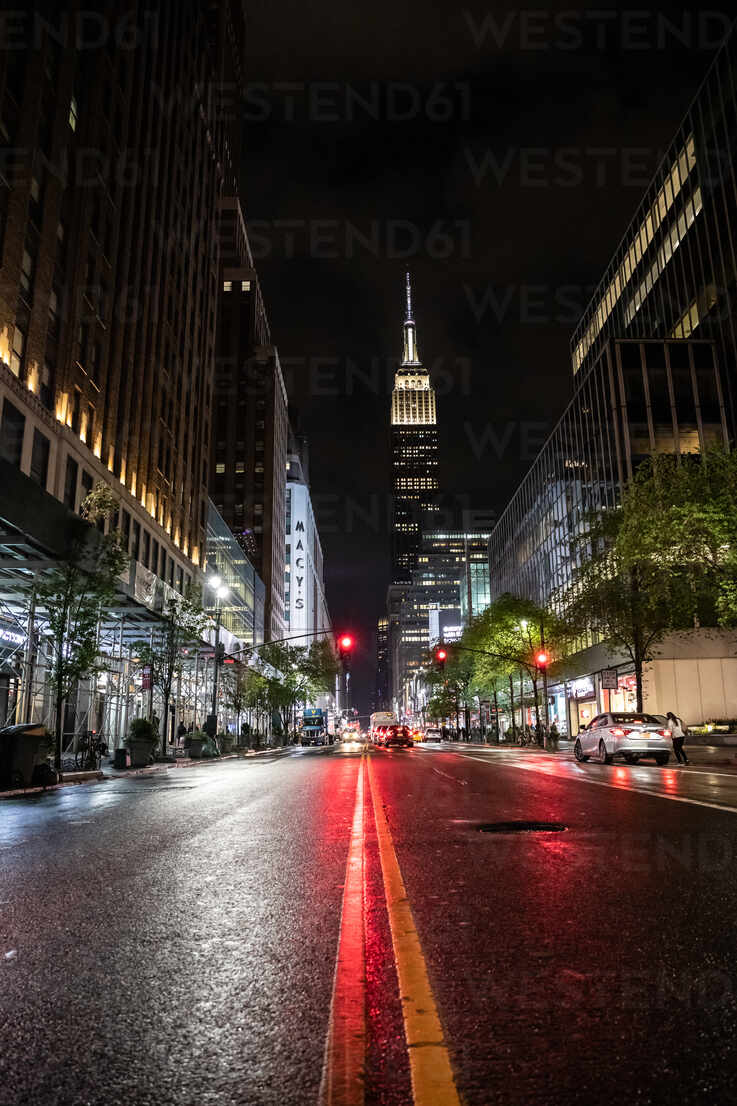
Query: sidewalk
189,762
110,773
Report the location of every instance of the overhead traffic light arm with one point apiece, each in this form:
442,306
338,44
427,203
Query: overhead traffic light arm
506,657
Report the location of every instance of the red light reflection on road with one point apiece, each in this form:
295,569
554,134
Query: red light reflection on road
345,1049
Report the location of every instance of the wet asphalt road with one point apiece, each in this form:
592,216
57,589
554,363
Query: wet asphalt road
171,938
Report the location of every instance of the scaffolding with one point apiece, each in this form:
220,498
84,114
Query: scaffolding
117,691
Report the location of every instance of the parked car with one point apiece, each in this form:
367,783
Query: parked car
400,736
629,735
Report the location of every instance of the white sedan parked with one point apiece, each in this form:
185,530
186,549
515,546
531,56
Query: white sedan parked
631,736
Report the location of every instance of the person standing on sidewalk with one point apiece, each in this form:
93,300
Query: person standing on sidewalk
678,733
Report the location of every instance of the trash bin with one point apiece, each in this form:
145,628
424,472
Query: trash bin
19,750
122,758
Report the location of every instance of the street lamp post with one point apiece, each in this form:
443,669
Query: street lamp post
221,592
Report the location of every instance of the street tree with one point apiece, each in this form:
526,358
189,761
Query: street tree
75,595
665,560
505,640
257,696
450,686
442,703
236,690
179,628
681,512
623,596
302,674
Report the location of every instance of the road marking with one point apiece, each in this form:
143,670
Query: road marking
344,1065
603,783
430,1070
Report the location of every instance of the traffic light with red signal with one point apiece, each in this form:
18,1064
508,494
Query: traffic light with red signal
345,648
441,656
542,659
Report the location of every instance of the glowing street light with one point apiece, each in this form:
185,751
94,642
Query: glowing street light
222,591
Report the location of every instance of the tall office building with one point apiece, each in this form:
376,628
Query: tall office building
450,585
115,145
109,264
654,372
414,451
674,274
251,421
382,695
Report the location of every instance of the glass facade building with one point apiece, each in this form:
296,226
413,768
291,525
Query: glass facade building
674,274
449,585
243,608
637,398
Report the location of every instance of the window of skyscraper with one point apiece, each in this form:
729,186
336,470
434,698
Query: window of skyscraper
12,428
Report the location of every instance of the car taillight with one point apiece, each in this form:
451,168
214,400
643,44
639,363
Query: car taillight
620,733
665,733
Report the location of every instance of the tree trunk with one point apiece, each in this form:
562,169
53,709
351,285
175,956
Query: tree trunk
59,727
511,708
495,725
522,722
638,679
637,636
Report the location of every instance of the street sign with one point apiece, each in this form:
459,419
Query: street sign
609,679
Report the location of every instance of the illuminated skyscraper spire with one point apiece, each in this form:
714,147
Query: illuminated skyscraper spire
414,451
410,356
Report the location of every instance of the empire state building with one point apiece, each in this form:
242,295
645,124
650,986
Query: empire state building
414,452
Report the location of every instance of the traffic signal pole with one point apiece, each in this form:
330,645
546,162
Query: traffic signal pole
544,665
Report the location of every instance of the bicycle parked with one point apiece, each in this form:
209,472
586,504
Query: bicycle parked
87,756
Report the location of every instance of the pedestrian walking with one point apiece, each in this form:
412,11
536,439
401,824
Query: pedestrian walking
181,731
678,733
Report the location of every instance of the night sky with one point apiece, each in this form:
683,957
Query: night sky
498,153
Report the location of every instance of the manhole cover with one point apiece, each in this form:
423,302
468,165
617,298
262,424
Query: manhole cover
522,827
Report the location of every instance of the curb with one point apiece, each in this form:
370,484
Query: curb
184,762
70,779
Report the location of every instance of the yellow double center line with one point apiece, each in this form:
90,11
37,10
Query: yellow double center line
431,1074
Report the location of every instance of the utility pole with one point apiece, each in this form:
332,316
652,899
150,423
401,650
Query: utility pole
28,666
221,592
218,620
